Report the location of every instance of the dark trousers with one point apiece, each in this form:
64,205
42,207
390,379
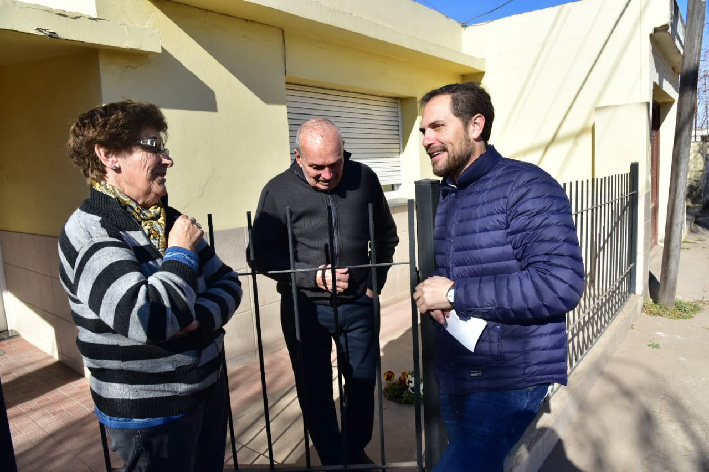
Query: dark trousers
193,442
358,348
483,427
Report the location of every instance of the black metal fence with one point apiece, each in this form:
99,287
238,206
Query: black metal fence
381,461
605,214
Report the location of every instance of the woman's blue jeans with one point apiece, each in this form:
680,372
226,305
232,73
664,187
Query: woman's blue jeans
194,442
483,427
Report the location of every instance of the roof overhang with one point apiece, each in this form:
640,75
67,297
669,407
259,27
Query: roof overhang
670,46
33,32
342,24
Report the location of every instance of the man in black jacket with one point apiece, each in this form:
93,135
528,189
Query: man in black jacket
326,191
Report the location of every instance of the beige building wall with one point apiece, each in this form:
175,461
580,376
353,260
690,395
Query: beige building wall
573,88
39,188
220,80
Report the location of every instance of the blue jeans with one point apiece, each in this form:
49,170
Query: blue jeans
359,350
483,427
193,442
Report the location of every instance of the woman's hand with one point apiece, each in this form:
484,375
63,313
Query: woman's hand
185,233
188,329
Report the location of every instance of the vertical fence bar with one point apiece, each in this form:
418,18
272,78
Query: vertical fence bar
230,416
621,226
626,231
613,246
210,231
259,340
7,451
573,203
579,229
585,324
338,344
623,249
570,315
603,196
377,326
104,443
610,259
435,435
298,340
590,239
415,337
579,313
593,241
634,217
616,240
597,273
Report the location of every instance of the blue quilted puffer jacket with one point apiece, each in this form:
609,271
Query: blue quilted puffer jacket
505,235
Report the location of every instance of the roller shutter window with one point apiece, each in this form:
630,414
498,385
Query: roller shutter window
370,125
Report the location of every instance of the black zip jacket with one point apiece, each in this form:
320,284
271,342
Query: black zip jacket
311,242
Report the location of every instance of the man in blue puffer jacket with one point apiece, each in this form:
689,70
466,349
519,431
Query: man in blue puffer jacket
506,253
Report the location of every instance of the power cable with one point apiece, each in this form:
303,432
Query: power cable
466,23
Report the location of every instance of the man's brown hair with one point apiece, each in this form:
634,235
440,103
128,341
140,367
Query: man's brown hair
467,100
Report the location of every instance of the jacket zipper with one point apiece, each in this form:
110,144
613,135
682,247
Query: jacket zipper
335,234
452,217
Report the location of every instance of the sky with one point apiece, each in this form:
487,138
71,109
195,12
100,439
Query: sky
478,11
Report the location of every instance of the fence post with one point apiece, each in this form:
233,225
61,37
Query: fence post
634,218
7,452
434,430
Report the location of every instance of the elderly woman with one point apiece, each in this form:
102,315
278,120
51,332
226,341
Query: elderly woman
149,296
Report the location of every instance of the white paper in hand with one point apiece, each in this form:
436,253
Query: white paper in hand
467,332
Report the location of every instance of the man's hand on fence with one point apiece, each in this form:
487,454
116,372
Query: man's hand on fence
431,298
323,278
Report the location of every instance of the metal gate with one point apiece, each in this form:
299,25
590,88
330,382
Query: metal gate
381,461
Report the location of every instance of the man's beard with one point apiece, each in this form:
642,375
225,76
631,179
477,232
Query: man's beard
456,161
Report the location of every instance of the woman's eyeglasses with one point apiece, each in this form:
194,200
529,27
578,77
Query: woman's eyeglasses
154,146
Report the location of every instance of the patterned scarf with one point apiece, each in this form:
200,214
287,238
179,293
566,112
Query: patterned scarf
153,219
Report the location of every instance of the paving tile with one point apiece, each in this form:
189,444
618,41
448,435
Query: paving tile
245,456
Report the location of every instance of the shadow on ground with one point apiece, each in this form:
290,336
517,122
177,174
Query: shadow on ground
635,405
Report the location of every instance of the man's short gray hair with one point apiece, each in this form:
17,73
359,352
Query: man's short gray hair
316,125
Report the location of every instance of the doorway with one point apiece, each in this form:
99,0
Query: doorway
654,171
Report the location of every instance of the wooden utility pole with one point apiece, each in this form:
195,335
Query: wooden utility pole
686,107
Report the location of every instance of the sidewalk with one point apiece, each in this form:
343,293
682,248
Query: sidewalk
54,429
648,411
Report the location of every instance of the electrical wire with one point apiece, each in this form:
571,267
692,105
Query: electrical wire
466,23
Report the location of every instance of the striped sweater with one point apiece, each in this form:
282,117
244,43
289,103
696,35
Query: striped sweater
128,305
